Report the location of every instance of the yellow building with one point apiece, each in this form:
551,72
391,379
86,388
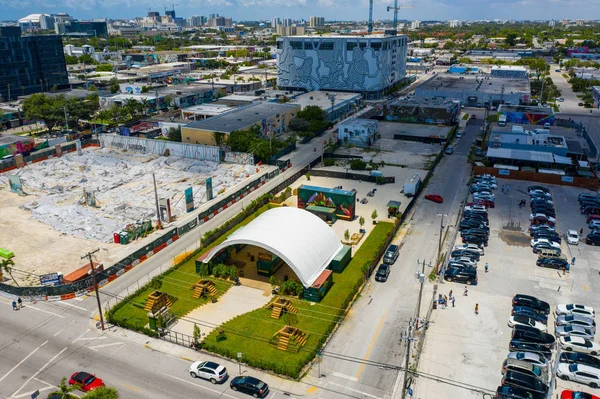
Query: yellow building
270,119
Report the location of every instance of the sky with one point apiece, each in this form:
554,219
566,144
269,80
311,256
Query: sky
241,10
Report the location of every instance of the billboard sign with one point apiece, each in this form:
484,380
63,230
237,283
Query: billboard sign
51,279
189,199
343,201
15,184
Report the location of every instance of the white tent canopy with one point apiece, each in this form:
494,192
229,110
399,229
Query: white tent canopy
302,240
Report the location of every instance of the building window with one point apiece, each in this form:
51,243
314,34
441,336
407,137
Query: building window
376,46
362,45
326,46
350,46
295,45
385,45
279,45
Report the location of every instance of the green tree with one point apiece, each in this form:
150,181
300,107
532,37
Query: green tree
6,265
104,68
361,221
102,393
219,138
299,124
347,234
374,214
197,334
87,59
64,389
175,134
145,104
114,85
38,107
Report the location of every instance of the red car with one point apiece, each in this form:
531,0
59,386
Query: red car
435,198
86,381
577,395
473,116
592,217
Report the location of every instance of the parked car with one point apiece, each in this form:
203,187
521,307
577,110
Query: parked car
532,302
460,265
587,195
555,263
85,381
547,211
539,192
541,226
594,224
551,253
568,394
471,248
544,246
517,345
592,239
576,320
589,218
435,198
476,208
579,373
464,260
534,335
466,224
461,275
515,378
537,241
529,312
572,308
391,254
483,232
250,385
207,370
572,237
538,188
512,392
526,321
579,344
581,358
542,220
487,203
574,331
530,357
473,239
541,215
481,216
383,271
465,253
549,235
449,150
526,368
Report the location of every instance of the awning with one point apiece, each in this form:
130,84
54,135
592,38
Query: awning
562,160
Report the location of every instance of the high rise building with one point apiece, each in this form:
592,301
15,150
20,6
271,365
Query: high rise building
91,28
290,30
415,25
275,22
316,22
30,64
170,13
367,65
552,23
194,20
286,22
219,21
455,24
153,14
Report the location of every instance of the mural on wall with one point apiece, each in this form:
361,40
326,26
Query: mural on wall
524,118
341,200
363,68
20,147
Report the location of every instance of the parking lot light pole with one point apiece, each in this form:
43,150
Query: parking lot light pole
552,384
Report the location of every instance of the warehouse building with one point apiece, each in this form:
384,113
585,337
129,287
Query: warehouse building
367,65
268,118
336,105
442,112
475,91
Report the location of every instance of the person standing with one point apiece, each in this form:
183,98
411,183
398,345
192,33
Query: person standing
507,188
476,308
20,302
573,261
503,188
450,295
487,267
453,300
466,291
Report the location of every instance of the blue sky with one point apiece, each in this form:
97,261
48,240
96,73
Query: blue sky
298,9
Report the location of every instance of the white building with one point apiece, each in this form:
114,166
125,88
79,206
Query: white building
316,22
359,132
455,24
415,25
367,65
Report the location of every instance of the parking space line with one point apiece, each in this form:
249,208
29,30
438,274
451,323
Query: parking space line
28,394
39,371
344,376
69,304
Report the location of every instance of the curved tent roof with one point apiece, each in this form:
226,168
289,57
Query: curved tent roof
302,240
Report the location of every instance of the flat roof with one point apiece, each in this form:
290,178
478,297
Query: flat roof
321,99
489,84
389,129
358,122
208,109
520,155
541,140
328,37
527,109
421,102
241,118
240,97
327,190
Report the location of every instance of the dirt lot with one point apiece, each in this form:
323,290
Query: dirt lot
469,349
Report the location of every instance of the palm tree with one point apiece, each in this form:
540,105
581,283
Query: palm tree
145,104
6,266
64,389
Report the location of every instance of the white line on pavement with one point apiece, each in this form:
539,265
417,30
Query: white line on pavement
347,377
59,331
22,361
42,310
28,394
70,304
39,371
354,390
96,347
200,386
80,338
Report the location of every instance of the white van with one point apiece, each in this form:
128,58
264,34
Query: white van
502,120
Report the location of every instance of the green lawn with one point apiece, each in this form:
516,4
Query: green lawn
250,333
176,282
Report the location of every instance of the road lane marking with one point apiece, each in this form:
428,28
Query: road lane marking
39,371
371,344
347,377
22,361
59,331
81,338
131,387
354,390
42,310
97,347
311,390
70,304
28,394
200,386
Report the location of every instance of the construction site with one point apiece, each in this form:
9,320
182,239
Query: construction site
61,207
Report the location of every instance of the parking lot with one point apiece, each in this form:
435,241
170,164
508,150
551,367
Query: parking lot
468,349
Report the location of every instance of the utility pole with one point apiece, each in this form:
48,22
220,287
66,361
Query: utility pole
439,252
421,277
89,256
156,200
408,339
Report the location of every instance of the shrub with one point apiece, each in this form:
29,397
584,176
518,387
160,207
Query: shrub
329,162
379,180
358,164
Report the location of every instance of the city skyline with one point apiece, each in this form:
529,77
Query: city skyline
243,10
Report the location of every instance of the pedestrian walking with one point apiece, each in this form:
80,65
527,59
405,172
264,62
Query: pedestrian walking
487,267
503,188
445,301
20,302
466,292
14,305
581,231
573,261
507,188
453,300
440,299
450,295
476,308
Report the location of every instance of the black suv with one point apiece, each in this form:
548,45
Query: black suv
516,379
457,253
470,224
509,392
461,275
473,239
533,335
391,254
518,345
581,358
555,263
592,239
532,302
382,273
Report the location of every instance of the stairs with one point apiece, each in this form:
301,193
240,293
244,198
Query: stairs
300,338
197,292
152,301
290,308
149,303
212,291
276,312
283,342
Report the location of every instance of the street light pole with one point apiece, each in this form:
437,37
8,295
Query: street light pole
89,256
439,252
